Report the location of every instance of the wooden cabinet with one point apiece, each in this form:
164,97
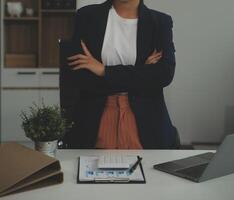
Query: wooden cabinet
21,36
29,61
49,96
54,25
32,41
20,89
30,78
48,78
16,78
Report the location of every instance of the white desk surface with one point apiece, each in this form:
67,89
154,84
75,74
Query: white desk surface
159,186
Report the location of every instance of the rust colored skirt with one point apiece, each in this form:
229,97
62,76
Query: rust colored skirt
118,129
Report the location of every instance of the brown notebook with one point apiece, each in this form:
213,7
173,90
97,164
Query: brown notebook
23,169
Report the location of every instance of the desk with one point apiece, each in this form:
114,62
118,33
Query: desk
159,186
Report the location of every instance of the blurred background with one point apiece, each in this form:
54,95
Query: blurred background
200,99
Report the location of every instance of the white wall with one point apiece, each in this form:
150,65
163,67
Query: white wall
81,3
201,97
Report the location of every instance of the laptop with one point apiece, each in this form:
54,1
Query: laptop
205,166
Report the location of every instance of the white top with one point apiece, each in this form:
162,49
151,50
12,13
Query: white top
159,185
119,46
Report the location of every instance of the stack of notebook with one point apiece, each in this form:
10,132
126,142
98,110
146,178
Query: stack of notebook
23,169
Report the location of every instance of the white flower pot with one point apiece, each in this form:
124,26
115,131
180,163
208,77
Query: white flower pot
49,148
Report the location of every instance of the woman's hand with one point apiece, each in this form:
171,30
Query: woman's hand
154,57
86,61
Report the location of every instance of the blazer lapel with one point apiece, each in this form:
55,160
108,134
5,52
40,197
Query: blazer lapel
100,28
145,31
145,34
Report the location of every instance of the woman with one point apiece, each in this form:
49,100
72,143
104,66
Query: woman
125,58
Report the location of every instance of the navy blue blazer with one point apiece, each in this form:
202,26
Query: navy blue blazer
83,94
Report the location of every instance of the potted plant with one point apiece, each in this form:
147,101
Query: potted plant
45,126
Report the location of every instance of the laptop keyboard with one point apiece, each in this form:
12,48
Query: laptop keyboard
193,172
207,156
191,167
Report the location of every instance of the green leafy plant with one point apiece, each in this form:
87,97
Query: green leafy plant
44,123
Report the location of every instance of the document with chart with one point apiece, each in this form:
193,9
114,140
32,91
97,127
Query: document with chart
91,169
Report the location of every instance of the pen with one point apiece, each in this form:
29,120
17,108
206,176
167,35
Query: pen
132,169
112,180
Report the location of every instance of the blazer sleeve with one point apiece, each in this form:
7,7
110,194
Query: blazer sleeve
83,78
147,76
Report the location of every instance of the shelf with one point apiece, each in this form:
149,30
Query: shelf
21,18
30,88
62,28
20,60
57,11
32,41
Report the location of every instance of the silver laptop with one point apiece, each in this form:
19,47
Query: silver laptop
205,166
